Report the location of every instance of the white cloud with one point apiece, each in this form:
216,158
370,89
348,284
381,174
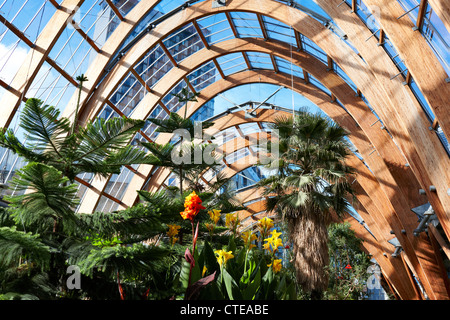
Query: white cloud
10,61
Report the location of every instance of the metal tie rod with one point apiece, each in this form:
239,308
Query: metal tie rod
372,35
259,105
407,12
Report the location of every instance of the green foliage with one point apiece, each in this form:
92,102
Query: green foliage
100,147
244,277
17,245
344,248
311,169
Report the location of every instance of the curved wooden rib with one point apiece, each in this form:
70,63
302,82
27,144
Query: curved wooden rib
10,101
419,251
410,123
401,112
375,245
417,55
398,276
442,9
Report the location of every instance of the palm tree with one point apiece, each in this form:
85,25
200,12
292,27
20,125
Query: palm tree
101,147
310,183
41,230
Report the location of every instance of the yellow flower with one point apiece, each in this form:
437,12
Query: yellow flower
204,271
276,265
231,221
223,256
209,226
264,225
248,236
173,230
214,215
273,242
275,234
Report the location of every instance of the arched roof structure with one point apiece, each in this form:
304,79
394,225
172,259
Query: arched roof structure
373,66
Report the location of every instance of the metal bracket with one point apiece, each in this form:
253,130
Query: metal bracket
219,3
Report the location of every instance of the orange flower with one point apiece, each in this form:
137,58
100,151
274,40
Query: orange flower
192,206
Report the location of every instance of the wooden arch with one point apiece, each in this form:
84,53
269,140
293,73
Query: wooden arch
394,102
399,110
366,184
293,17
395,174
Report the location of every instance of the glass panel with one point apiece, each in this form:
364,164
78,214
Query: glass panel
183,42
278,30
237,155
288,67
215,28
154,66
106,205
128,94
170,100
231,63
260,60
29,16
149,128
204,76
246,24
313,49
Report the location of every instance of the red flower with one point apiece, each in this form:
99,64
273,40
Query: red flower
192,206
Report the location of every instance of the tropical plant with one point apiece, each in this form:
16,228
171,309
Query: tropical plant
101,147
348,264
237,270
310,184
40,232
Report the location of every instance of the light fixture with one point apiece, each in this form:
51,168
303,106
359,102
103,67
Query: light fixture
397,245
219,3
426,215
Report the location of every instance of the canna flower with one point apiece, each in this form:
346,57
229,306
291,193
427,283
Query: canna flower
248,236
192,206
273,242
223,256
173,232
204,271
214,215
264,225
276,265
231,221
210,227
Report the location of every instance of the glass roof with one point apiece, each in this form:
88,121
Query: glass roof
95,21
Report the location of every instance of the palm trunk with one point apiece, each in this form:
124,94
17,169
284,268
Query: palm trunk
309,236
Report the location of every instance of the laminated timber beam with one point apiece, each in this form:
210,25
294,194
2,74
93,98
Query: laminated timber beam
442,9
396,217
374,244
417,55
394,268
380,139
419,251
35,58
402,114
411,139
